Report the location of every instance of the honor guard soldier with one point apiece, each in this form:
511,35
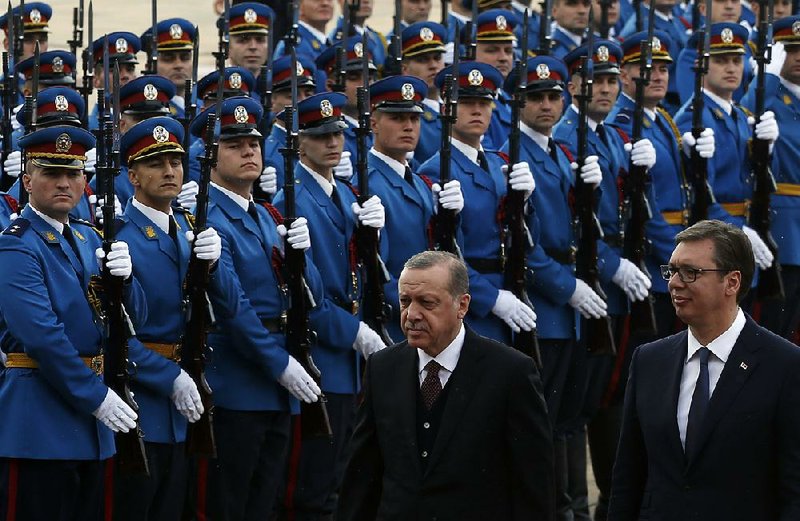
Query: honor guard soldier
35,27
160,242
570,20
174,44
494,311
377,41
782,97
729,170
612,18
410,202
272,180
621,279
411,12
248,27
248,365
495,46
312,18
423,56
342,338
353,66
556,294
122,48
53,337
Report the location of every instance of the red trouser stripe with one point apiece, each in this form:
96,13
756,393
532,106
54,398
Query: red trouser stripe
202,486
294,466
622,348
13,486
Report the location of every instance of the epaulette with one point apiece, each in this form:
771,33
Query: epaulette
567,152
747,112
624,135
274,213
11,202
18,227
189,216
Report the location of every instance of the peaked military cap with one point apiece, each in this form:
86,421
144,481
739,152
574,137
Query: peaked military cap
398,94
632,47
606,57
250,17
55,68
57,106
148,94
354,54
421,38
787,30
174,34
545,73
494,25
238,82
59,146
151,137
282,76
36,19
321,113
239,117
475,79
122,47
726,38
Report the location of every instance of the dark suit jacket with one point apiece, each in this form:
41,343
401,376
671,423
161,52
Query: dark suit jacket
493,455
747,466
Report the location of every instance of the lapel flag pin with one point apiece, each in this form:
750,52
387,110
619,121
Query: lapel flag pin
743,366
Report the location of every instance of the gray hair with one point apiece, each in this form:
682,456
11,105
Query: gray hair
459,278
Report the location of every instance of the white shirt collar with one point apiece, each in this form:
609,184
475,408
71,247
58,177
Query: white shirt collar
158,217
238,199
317,34
350,120
448,358
537,137
592,123
58,225
397,166
327,186
433,104
460,17
791,87
726,105
577,38
467,150
722,345
663,16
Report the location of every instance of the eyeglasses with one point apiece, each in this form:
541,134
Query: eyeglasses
686,274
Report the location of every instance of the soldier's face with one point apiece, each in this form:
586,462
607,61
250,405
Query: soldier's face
791,64
29,45
283,98
239,162
605,90
316,11
499,55
724,10
157,180
127,72
613,12
54,191
474,115
543,110
396,133
425,66
724,74
572,15
414,11
322,152
364,11
781,9
659,78
429,315
248,50
176,66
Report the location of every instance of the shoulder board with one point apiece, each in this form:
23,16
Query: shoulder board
502,155
274,213
747,112
189,216
567,152
624,135
18,227
622,117
80,221
11,202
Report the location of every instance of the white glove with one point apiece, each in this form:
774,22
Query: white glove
98,209
115,414
767,128
367,341
643,153
449,53
15,123
590,171
705,143
763,256
268,180
186,397
13,164
344,170
587,301
299,236
521,178
633,282
208,246
91,160
119,259
371,213
187,197
451,197
298,382
515,313
775,66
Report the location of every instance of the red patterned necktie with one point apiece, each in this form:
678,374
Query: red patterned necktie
431,385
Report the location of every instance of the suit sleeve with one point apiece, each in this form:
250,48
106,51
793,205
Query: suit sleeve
362,486
530,445
789,446
630,467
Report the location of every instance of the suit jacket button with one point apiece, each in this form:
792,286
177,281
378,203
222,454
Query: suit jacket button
424,453
426,425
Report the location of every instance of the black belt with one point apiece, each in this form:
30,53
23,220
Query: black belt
615,240
561,256
274,325
485,265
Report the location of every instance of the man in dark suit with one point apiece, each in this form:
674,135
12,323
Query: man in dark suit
711,429
453,425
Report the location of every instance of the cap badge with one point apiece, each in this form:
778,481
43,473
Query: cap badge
407,90
602,53
656,45
36,16
160,134
358,48
325,108
796,28
475,78
300,69
121,45
426,34
63,143
502,23
150,92
175,31
240,114
250,16
543,71
62,105
58,64
727,35
235,80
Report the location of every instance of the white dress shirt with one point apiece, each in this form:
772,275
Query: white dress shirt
726,105
326,185
238,199
58,225
468,150
537,137
720,349
448,359
396,166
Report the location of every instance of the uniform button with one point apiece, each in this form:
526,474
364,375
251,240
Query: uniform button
424,453
426,425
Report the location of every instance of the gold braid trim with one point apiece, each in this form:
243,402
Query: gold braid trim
52,155
152,148
671,124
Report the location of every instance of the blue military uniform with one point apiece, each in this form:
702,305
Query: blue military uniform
376,40
562,42
308,43
8,208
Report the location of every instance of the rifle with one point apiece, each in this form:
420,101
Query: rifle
19,32
8,113
131,456
340,72
223,30
265,87
394,63
770,280
199,313
544,31
445,20
376,310
29,115
636,207
471,50
314,419
444,223
637,10
190,102
701,195
516,229
587,227
604,26
152,50
87,85
77,30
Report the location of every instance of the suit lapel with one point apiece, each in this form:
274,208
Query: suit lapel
479,177
321,198
235,212
674,372
152,232
406,386
52,237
